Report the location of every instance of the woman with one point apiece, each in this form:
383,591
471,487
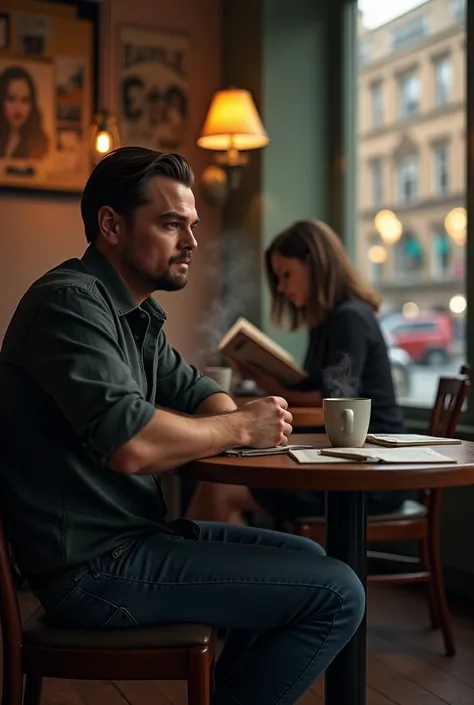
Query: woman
313,284
21,133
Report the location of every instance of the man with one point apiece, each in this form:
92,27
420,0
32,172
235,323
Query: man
96,405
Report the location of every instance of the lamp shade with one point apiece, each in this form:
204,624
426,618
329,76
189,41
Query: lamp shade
232,122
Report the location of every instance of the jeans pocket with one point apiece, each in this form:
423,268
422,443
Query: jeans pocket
111,562
83,610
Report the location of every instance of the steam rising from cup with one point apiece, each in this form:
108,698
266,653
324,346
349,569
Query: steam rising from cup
338,380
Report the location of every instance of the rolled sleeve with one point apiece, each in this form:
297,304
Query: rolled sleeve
180,386
72,351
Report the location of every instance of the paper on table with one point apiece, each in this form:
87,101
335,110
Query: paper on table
315,456
389,455
398,440
252,452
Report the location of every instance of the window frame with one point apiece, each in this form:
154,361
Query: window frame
403,77
376,124
416,416
436,149
439,61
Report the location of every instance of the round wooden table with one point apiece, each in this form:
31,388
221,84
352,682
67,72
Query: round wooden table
304,417
346,518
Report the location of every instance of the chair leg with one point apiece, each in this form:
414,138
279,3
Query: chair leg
33,688
438,593
12,685
432,602
199,677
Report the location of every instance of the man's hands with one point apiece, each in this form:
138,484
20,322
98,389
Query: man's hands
267,422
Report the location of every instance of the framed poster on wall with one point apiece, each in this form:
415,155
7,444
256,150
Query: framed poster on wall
154,91
45,99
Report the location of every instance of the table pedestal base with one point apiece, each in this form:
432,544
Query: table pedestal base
346,539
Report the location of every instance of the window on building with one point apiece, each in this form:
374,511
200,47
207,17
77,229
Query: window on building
408,94
376,100
407,179
459,10
441,168
376,183
410,32
409,255
441,254
365,53
443,80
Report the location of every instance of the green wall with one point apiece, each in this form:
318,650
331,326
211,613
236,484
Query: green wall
281,57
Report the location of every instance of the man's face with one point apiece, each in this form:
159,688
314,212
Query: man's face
156,248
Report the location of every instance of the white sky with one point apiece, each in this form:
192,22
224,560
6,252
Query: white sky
377,12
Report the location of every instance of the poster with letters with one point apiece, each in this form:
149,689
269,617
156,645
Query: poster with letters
154,91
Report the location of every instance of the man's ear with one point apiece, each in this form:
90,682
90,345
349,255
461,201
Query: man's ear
109,224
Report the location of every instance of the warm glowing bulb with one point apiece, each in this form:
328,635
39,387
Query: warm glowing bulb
383,217
102,142
458,304
389,227
377,254
391,231
456,225
410,309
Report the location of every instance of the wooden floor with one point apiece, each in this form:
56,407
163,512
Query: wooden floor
405,663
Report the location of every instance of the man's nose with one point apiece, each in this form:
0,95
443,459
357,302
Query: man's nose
188,241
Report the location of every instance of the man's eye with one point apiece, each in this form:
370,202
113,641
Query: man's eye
173,225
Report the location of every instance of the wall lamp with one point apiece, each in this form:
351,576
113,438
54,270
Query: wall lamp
231,129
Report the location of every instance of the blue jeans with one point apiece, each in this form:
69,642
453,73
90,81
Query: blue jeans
288,608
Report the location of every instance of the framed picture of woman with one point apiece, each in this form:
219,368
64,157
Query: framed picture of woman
26,110
44,114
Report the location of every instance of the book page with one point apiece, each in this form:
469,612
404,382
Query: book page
246,344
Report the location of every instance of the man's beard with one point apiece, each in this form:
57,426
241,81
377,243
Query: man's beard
173,282
167,281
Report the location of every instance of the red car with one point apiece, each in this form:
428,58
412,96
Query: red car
428,338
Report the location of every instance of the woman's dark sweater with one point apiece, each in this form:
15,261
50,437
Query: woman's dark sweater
347,356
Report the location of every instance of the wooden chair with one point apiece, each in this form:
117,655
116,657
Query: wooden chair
38,650
415,520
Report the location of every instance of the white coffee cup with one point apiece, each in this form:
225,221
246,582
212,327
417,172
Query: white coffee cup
347,421
221,375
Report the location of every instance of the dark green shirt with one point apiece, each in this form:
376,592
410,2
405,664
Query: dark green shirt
82,369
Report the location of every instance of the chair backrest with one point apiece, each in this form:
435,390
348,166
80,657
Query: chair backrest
10,618
450,398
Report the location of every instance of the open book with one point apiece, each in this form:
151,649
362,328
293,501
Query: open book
371,455
245,343
398,440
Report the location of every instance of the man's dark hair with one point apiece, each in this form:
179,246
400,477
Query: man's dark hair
120,181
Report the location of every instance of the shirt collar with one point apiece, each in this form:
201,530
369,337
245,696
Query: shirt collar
118,290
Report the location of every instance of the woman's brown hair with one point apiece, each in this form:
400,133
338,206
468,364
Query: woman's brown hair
334,279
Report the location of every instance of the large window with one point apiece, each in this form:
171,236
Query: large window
410,32
443,80
459,10
441,168
408,94
407,179
376,183
376,103
411,224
